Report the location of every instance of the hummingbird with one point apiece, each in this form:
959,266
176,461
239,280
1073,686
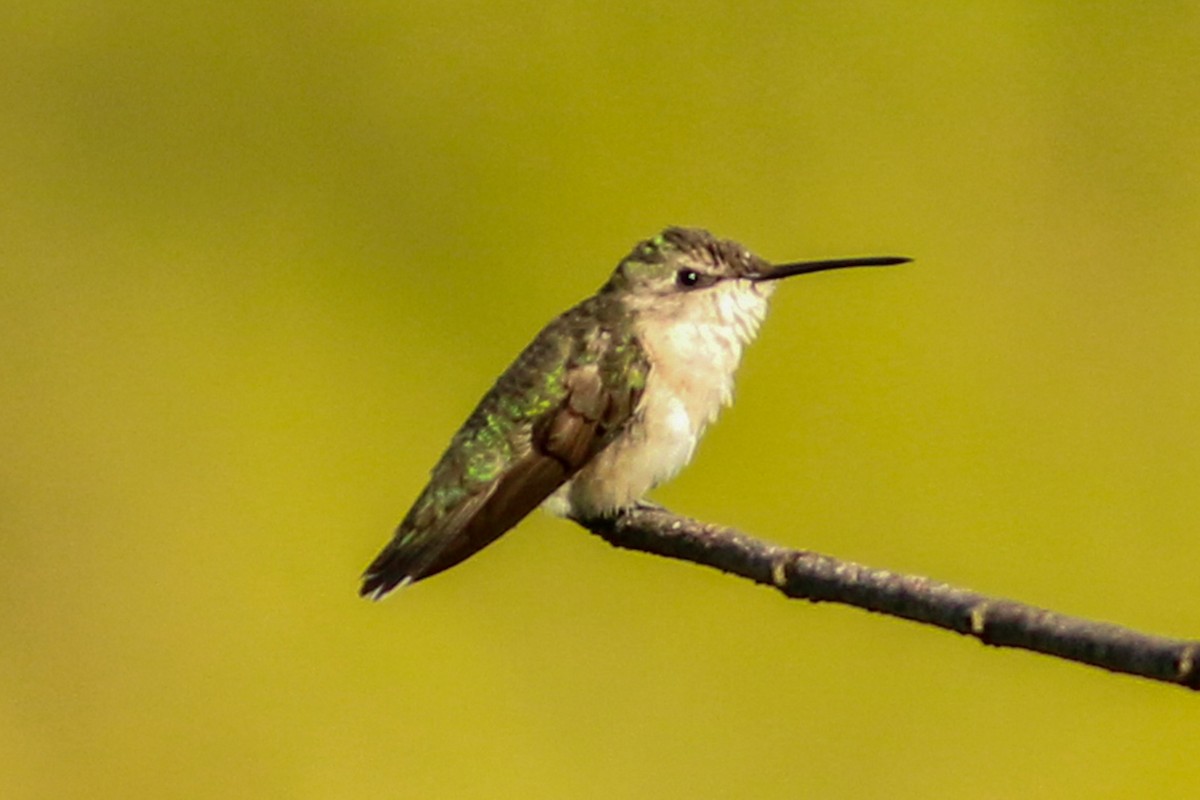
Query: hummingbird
608,401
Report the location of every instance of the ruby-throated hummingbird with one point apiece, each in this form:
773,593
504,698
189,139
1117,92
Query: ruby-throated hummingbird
608,401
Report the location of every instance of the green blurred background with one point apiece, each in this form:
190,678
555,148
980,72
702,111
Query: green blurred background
259,260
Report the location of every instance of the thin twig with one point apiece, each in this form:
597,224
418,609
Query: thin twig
993,621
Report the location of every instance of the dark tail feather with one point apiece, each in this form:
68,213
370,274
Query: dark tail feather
398,565
404,561
391,568
416,552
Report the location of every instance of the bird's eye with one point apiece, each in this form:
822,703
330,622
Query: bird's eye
687,278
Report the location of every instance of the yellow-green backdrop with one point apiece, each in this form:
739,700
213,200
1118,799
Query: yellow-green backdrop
258,260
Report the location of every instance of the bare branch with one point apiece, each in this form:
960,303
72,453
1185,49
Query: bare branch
815,577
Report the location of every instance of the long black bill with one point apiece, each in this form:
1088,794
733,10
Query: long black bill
778,271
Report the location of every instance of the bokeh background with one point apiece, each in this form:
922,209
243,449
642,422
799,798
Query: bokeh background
259,260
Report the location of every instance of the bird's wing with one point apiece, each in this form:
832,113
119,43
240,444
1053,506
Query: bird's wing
490,478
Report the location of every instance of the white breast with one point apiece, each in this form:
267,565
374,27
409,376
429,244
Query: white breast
694,352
